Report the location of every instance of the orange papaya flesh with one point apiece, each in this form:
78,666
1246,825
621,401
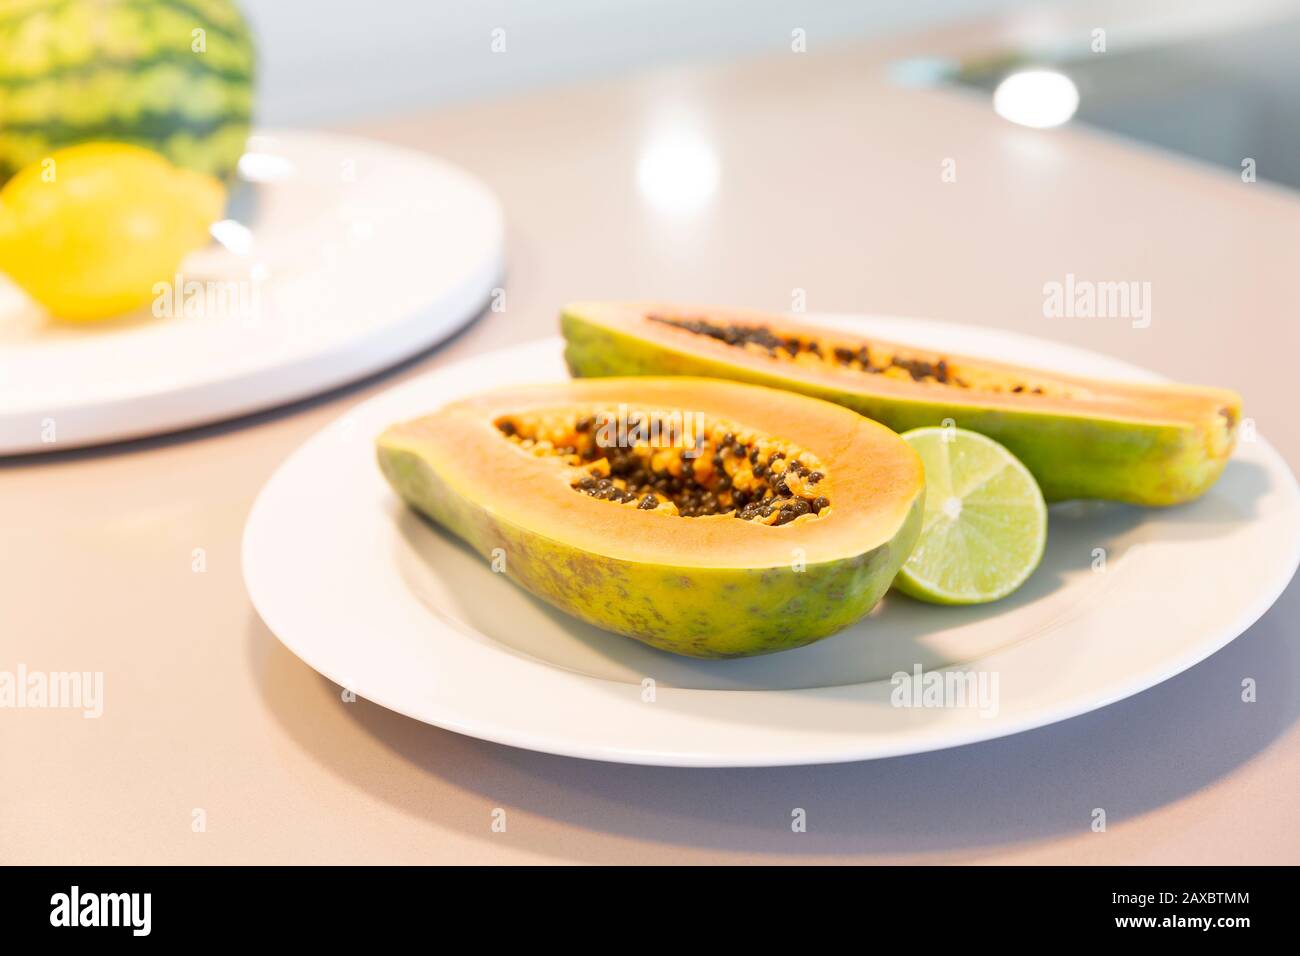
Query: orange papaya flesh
704,517
1080,437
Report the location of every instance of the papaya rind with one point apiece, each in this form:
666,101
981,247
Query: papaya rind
694,611
1152,463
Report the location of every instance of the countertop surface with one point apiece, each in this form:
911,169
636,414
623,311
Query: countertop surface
830,183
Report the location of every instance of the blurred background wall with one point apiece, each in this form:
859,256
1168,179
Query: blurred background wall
424,52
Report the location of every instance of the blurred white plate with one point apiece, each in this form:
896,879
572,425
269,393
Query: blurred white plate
382,602
356,255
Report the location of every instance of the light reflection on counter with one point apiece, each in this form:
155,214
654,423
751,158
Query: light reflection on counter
1037,98
678,173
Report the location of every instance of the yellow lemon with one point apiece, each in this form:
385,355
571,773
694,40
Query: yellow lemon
90,229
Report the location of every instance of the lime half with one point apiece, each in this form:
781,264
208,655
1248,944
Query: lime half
985,520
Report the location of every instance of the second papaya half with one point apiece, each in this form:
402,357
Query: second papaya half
1081,438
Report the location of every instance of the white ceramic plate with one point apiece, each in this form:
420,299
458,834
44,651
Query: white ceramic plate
352,256
381,602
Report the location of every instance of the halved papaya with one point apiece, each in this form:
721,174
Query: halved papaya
706,518
1080,437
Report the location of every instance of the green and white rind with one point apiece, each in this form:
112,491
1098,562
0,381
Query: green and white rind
1071,456
1003,524
125,71
691,610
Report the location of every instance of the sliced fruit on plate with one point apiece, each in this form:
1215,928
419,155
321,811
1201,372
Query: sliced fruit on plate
1080,437
703,517
985,524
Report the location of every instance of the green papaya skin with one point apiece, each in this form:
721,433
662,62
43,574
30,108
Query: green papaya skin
694,611
1154,463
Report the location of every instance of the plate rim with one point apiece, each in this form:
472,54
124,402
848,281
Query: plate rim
211,397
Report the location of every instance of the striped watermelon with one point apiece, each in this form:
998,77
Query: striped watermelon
175,76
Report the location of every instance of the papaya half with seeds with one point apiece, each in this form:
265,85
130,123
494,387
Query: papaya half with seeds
703,517
1081,438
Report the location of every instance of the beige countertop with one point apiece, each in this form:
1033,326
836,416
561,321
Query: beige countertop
829,183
